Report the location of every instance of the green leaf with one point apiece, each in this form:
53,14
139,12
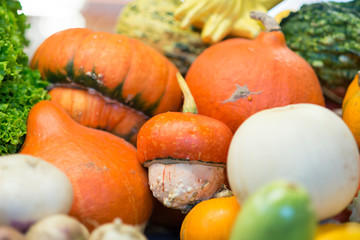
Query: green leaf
20,87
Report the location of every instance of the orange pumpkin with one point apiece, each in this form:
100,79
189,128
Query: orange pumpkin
188,136
114,67
107,178
188,150
210,219
351,108
238,77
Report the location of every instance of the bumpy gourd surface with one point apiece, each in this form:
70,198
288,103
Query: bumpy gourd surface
327,36
153,22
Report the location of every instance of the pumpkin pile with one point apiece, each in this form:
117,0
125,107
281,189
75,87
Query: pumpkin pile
235,141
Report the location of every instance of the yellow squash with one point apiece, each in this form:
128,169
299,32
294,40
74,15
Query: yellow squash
344,231
221,18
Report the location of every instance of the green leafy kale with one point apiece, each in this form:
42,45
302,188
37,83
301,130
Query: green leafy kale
20,87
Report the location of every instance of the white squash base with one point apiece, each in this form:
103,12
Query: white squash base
179,185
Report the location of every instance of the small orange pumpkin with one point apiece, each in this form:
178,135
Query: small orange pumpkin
210,219
185,153
351,107
107,178
238,77
188,136
111,66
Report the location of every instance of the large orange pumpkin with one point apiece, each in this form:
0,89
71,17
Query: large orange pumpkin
107,178
236,78
118,69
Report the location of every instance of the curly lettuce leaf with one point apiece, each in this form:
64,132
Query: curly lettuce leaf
20,87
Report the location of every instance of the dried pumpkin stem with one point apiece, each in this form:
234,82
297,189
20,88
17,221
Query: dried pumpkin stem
269,23
223,192
358,74
189,102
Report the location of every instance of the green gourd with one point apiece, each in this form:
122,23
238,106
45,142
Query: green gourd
278,210
153,22
327,35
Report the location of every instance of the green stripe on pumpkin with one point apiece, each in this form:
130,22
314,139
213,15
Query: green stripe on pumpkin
94,80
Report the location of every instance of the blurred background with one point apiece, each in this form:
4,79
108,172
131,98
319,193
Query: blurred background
49,16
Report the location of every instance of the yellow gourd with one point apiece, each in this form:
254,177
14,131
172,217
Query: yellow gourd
332,231
223,17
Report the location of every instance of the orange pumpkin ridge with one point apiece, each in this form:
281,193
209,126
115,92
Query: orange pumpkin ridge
107,178
95,111
118,67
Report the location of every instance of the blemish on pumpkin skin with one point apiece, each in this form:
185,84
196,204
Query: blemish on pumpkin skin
240,92
194,195
91,165
353,179
163,182
204,185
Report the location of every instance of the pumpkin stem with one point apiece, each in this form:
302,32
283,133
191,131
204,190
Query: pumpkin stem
223,192
358,74
269,23
189,102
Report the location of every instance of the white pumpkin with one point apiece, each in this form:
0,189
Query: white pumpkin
303,143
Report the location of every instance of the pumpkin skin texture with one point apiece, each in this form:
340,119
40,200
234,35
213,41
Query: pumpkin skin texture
189,152
184,136
118,67
351,108
264,71
210,219
107,178
94,111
